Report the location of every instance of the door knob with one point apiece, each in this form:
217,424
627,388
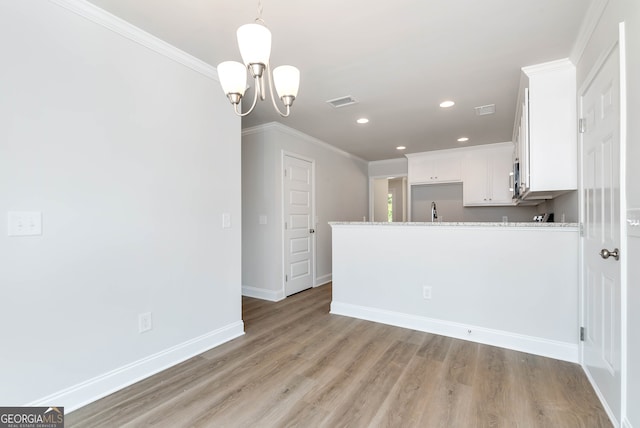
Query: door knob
605,254
312,231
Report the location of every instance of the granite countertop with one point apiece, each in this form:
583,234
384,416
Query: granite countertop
451,223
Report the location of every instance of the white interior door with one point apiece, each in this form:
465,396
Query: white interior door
601,288
298,224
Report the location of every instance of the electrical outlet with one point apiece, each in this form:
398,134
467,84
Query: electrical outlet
144,322
426,292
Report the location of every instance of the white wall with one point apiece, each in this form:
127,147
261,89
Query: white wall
566,205
603,37
380,199
132,157
389,167
341,188
500,282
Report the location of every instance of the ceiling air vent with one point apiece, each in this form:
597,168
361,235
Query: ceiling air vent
484,110
342,101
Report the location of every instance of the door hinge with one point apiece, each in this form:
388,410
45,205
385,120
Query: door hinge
285,226
582,125
582,334
285,172
286,278
581,228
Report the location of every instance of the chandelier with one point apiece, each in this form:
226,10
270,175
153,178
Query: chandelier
254,41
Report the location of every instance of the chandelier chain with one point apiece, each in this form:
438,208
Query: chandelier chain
259,18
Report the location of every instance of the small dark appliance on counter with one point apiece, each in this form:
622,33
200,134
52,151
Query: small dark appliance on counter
543,218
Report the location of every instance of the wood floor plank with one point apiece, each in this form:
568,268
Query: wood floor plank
491,394
345,380
303,414
462,359
216,394
139,395
404,405
361,405
434,346
449,405
299,366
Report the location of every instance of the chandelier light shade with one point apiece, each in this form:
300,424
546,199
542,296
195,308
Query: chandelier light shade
233,77
254,42
287,80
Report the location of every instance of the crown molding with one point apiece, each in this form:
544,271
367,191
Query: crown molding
459,150
298,134
111,22
588,26
545,67
392,161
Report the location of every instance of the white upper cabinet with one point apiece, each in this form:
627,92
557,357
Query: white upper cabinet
441,166
545,130
487,176
483,170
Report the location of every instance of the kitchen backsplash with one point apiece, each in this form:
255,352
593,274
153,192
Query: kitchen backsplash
448,199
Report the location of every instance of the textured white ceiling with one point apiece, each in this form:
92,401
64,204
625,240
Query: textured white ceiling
398,59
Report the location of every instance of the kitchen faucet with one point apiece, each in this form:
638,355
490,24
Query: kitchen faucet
434,212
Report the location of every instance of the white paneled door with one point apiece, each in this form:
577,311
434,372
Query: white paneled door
298,224
601,287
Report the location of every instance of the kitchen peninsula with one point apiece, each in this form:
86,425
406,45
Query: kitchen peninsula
513,285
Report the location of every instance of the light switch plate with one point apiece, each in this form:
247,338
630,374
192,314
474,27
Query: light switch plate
633,222
226,220
426,292
24,223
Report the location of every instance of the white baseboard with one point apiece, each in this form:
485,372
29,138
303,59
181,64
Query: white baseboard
98,387
322,280
504,339
262,293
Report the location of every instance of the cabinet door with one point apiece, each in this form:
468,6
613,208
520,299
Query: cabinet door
421,169
448,169
435,169
500,169
523,144
474,185
486,177
548,155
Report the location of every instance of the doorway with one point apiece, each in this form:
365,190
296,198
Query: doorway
388,199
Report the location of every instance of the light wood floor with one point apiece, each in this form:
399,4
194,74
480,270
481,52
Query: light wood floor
299,366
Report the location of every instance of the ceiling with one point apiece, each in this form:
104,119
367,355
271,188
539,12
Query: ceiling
398,59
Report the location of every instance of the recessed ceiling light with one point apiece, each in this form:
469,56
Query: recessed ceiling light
362,120
447,104
463,139
400,148
390,178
